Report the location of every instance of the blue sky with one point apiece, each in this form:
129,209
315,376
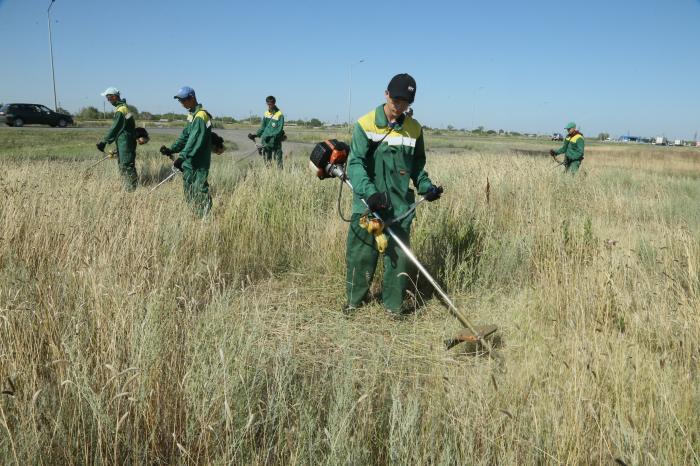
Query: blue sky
613,66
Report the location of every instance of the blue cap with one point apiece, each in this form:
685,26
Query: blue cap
184,93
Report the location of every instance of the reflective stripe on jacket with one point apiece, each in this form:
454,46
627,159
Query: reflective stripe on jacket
384,159
194,143
573,147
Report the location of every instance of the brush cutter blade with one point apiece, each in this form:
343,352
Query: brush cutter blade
467,336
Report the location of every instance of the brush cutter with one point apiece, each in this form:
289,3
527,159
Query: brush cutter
558,164
109,155
328,160
258,149
175,171
411,209
554,157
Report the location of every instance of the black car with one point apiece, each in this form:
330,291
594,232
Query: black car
33,114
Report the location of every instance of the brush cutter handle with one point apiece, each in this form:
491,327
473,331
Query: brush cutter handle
410,210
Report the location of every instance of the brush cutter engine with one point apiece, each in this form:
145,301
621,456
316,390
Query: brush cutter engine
142,136
328,159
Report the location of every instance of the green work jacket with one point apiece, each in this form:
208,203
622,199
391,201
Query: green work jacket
194,143
123,129
573,147
271,126
398,158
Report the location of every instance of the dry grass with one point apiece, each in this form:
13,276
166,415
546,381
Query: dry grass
132,333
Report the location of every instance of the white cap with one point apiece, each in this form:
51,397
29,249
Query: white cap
110,91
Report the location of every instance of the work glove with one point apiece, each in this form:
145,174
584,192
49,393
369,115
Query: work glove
379,201
166,151
178,163
552,153
433,193
101,146
251,136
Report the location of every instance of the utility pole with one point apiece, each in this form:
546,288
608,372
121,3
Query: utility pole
53,74
350,90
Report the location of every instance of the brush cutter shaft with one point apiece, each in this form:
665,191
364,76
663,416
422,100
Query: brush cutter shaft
446,299
558,164
257,149
163,182
99,161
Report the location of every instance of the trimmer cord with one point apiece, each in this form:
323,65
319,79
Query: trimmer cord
340,211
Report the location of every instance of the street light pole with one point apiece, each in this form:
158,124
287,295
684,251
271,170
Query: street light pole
350,91
53,74
474,103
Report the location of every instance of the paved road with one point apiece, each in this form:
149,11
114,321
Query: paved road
239,136
245,145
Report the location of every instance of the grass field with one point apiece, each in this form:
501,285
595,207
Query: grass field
132,333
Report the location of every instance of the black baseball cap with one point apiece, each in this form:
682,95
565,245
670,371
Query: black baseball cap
402,86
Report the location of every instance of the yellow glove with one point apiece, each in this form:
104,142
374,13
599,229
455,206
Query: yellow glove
382,242
375,227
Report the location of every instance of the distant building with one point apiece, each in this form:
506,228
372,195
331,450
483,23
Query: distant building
629,139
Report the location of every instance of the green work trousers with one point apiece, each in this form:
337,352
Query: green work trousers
196,187
361,258
127,167
572,166
275,152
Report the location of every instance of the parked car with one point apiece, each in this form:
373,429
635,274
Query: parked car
557,137
33,114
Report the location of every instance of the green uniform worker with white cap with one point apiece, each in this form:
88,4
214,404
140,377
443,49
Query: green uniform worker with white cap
194,148
123,131
572,149
271,132
387,153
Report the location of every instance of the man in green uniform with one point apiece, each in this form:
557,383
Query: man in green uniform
123,131
572,149
387,152
194,148
271,132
